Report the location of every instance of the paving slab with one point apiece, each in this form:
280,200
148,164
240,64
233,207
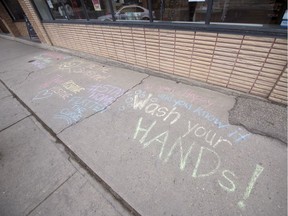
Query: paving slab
76,197
168,149
31,167
11,112
75,89
261,117
4,91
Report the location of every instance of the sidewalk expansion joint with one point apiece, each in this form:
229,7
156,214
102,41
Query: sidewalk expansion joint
94,175
106,187
15,123
84,172
107,107
50,194
30,111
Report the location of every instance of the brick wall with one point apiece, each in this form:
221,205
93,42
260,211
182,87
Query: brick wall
279,92
21,26
254,65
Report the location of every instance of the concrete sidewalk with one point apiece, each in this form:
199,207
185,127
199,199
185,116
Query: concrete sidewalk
77,134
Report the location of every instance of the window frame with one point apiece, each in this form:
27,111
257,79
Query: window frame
274,31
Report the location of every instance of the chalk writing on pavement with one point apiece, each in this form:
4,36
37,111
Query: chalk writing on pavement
59,90
194,148
99,97
151,105
78,101
93,71
198,141
43,60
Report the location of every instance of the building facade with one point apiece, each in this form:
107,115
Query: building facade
236,44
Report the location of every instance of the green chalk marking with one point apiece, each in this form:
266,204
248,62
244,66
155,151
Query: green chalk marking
258,170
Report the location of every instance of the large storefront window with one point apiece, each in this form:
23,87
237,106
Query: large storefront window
234,12
248,11
14,9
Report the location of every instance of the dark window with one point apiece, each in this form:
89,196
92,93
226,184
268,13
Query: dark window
43,9
14,9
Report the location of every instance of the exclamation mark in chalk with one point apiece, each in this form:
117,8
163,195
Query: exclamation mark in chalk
259,169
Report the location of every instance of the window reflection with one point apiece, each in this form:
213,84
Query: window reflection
249,11
66,9
131,10
180,10
237,12
96,8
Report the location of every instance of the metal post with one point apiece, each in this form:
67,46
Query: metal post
150,10
112,10
85,10
209,12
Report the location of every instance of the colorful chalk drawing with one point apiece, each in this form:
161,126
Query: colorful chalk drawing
98,98
197,141
58,90
105,94
95,98
189,95
93,71
72,86
43,60
56,79
77,108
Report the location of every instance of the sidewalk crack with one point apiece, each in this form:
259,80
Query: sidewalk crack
107,107
29,75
